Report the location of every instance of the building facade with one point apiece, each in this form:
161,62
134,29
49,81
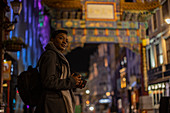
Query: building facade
158,54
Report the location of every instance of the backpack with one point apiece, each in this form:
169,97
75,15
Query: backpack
29,85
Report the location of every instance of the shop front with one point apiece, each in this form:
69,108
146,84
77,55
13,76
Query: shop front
158,90
10,70
159,85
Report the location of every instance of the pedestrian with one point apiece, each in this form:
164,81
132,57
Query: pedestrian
57,80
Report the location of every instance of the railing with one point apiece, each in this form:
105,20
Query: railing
155,73
168,67
155,70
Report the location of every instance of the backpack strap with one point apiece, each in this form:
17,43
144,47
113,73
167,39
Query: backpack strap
60,62
40,58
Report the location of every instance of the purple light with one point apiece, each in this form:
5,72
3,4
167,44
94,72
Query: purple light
11,20
30,38
25,11
35,4
26,36
45,31
42,12
39,5
34,36
38,25
30,16
44,27
45,20
28,106
33,21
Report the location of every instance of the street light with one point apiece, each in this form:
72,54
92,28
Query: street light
167,20
16,6
87,91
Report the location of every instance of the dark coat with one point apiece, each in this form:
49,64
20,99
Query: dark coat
50,69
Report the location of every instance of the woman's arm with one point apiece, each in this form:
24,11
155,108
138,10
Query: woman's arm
50,78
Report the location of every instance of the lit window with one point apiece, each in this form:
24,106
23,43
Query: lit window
159,55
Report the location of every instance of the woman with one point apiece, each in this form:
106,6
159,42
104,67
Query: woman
57,81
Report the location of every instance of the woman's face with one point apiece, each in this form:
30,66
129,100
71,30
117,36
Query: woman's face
61,41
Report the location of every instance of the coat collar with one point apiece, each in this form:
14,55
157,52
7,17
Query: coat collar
51,46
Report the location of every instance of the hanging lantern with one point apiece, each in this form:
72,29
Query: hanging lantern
16,6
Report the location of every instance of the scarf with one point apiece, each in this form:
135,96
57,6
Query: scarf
68,96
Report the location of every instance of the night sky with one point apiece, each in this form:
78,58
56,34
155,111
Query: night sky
79,57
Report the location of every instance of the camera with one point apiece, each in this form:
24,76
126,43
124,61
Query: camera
82,79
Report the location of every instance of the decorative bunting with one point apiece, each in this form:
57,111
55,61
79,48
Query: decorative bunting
74,31
95,31
85,31
117,32
98,24
127,32
106,32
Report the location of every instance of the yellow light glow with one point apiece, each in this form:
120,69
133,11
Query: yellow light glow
124,79
167,20
145,42
107,93
5,85
87,102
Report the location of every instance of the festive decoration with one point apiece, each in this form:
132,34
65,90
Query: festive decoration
95,24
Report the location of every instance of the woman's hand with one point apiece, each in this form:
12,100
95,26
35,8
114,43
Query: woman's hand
77,78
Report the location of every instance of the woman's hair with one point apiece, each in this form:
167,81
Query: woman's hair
56,32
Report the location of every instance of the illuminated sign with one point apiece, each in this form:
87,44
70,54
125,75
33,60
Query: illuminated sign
106,100
7,70
102,11
123,77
